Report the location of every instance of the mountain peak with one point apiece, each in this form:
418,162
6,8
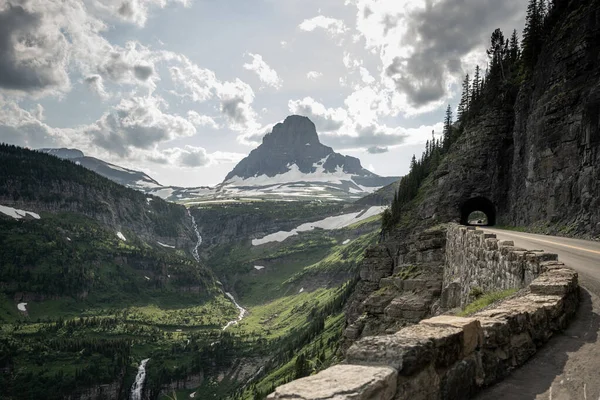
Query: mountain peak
292,154
294,131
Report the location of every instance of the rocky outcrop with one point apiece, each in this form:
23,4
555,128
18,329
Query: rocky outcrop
545,149
400,283
448,357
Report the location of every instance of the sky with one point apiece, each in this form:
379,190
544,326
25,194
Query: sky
184,89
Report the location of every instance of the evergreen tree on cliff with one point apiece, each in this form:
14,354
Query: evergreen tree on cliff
532,34
465,100
448,128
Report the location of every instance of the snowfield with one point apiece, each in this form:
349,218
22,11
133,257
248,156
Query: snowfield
329,223
258,267
121,236
165,245
16,213
22,307
295,175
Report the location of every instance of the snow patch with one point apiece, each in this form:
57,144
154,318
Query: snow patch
16,213
329,223
22,307
295,175
346,241
165,245
301,290
163,193
192,395
146,278
68,238
258,267
121,236
149,199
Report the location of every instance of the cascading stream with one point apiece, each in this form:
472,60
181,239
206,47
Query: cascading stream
241,309
199,242
138,385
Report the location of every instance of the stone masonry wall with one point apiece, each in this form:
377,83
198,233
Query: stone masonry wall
452,358
478,261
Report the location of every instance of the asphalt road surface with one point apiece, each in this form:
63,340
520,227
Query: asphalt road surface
568,366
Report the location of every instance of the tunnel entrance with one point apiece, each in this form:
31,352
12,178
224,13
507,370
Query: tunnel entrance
478,211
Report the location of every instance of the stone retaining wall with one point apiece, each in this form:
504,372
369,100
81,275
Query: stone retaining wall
446,357
478,261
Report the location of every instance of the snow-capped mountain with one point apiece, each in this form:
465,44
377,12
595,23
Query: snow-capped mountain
291,161
127,177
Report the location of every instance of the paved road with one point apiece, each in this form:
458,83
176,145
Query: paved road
568,366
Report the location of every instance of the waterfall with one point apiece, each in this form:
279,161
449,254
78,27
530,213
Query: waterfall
199,242
241,309
138,385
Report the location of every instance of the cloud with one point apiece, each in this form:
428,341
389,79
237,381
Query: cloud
334,27
96,85
143,72
423,44
235,97
137,123
189,156
266,74
370,137
202,120
314,75
377,150
325,119
25,128
192,156
33,53
132,11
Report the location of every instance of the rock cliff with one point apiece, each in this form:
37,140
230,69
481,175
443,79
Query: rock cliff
538,162
534,163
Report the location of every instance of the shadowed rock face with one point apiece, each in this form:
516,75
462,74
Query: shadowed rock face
538,163
295,141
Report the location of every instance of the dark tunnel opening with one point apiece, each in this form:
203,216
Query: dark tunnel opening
478,204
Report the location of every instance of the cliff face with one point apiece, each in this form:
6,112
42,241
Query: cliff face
535,164
555,168
539,163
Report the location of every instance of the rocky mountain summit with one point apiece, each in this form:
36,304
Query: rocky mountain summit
292,155
293,148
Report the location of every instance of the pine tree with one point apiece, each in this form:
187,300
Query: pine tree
531,35
514,50
465,100
496,53
448,128
476,86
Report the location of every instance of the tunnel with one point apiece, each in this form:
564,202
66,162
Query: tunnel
478,204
